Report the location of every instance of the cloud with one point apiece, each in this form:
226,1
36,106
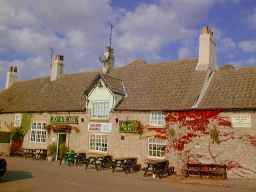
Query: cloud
228,43
248,46
78,29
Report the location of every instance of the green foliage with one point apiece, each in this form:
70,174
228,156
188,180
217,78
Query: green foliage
172,132
25,123
17,134
214,134
51,149
62,150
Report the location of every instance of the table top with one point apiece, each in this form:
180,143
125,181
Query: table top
125,158
155,161
96,155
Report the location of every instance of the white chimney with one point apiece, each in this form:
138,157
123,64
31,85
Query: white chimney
207,53
57,67
11,77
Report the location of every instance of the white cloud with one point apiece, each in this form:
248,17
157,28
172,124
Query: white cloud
228,43
78,29
248,46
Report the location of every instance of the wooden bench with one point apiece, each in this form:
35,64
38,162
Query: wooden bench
200,169
127,164
158,168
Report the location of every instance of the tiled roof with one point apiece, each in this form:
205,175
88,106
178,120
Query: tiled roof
162,86
231,89
39,95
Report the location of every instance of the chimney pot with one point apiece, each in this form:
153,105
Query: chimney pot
207,52
57,67
11,76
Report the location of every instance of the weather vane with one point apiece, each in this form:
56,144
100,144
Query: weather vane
110,35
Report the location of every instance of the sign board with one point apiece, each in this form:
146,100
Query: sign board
64,120
241,120
100,127
129,126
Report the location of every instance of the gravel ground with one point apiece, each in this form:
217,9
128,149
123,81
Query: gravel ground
28,175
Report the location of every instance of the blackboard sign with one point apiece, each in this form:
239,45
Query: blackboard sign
5,137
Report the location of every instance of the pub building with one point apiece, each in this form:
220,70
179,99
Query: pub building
121,110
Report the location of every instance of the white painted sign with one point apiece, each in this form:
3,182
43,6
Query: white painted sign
100,127
241,120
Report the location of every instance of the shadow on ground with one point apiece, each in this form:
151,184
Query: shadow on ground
15,175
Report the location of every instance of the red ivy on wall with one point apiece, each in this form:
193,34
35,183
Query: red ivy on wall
196,124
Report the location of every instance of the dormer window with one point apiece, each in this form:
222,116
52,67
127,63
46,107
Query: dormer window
100,109
157,119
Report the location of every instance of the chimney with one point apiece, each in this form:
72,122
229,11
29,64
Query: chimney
107,60
207,53
11,76
57,67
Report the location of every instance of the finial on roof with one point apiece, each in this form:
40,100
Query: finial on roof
108,58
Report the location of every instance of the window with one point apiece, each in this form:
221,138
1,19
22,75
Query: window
156,147
157,119
98,142
17,120
38,132
100,109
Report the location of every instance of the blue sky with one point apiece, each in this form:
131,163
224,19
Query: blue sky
153,30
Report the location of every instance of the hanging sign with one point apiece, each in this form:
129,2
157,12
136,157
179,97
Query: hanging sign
100,127
64,119
241,120
129,126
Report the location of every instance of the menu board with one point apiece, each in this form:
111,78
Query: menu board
241,120
100,127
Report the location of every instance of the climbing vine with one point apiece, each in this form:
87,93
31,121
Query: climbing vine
191,124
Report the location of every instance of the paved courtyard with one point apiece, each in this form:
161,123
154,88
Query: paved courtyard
28,175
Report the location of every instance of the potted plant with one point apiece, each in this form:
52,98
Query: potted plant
51,151
62,152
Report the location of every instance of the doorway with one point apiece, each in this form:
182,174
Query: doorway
61,139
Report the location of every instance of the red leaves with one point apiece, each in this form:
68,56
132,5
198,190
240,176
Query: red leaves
196,123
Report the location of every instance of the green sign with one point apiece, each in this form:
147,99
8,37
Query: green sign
64,119
129,126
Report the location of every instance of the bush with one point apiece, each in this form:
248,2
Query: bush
17,134
52,149
62,151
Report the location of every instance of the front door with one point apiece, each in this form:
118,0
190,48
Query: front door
61,140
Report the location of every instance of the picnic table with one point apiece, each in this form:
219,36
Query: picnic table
158,168
202,169
98,161
127,164
36,154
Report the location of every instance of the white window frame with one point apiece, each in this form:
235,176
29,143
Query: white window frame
157,119
102,140
155,148
39,133
17,119
98,113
